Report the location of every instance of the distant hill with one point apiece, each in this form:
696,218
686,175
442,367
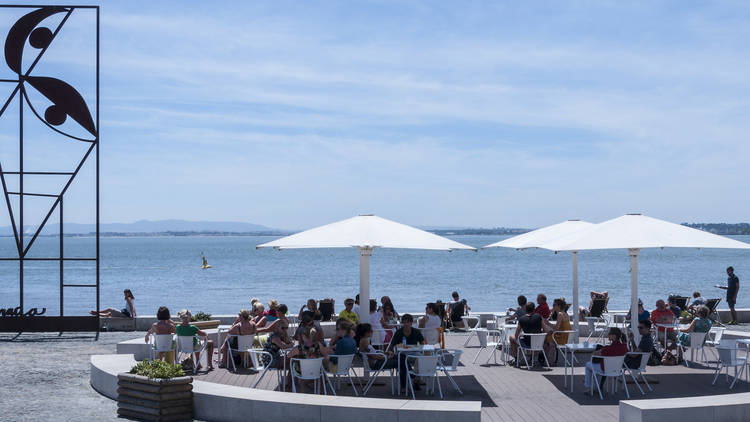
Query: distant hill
157,226
721,228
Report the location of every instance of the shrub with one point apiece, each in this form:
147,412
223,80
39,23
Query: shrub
201,316
157,369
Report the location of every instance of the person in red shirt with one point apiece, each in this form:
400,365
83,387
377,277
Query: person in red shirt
616,347
542,308
663,315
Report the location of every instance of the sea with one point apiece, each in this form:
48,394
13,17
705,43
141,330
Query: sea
166,271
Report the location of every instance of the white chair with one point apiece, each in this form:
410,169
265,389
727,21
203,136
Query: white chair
561,347
642,359
597,328
309,370
343,369
727,350
492,340
423,366
261,365
431,335
536,344
614,371
471,328
696,343
378,338
160,343
186,345
449,360
244,344
371,374
713,339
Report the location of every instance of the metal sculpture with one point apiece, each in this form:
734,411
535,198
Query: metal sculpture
30,35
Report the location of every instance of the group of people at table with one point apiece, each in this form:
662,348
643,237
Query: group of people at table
271,329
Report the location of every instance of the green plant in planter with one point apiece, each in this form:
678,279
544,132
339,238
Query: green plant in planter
157,369
201,316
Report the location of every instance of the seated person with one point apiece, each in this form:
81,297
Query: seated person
646,345
642,313
363,334
559,306
542,308
243,327
662,315
672,306
340,331
519,311
185,328
388,310
345,345
617,347
409,336
348,312
258,316
164,325
455,309
272,314
277,341
584,312
698,300
700,324
530,323
430,320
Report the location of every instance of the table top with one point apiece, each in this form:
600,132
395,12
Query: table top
744,341
581,346
420,348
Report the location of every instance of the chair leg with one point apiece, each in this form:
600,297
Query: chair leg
716,374
477,356
410,386
645,381
635,380
545,358
440,389
625,385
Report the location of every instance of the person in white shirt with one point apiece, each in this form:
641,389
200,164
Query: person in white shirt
430,319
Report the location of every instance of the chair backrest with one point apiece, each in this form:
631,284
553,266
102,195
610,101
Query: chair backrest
598,306
424,365
500,321
163,342
468,320
450,358
711,304
326,308
643,356
562,337
717,333
256,357
536,340
431,335
681,301
343,363
727,351
185,344
612,364
482,336
697,339
245,343
308,368
378,337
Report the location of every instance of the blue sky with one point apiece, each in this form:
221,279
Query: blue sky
294,114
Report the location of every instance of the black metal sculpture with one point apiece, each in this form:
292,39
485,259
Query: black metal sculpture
66,102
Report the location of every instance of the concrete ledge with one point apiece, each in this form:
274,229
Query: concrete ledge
218,402
719,408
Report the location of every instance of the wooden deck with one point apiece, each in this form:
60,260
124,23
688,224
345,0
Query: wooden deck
515,395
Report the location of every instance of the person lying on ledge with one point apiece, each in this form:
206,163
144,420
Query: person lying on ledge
127,312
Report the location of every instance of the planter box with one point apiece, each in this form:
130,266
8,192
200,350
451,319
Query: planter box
149,399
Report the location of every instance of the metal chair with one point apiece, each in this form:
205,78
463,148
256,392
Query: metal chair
642,359
309,370
696,343
372,373
614,371
160,343
728,359
713,339
449,360
492,340
536,344
472,329
597,328
261,365
244,344
343,369
423,366
187,345
561,347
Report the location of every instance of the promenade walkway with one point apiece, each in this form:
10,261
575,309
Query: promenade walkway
514,395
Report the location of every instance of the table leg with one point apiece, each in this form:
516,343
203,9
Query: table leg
565,369
572,369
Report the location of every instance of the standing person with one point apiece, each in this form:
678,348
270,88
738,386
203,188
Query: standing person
128,311
542,308
456,308
355,308
732,287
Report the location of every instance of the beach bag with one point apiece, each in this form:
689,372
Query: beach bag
655,358
669,359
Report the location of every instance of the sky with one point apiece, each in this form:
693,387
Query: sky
434,113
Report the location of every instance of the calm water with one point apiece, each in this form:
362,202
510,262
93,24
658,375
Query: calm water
166,271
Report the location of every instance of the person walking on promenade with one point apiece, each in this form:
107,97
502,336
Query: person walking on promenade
732,287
